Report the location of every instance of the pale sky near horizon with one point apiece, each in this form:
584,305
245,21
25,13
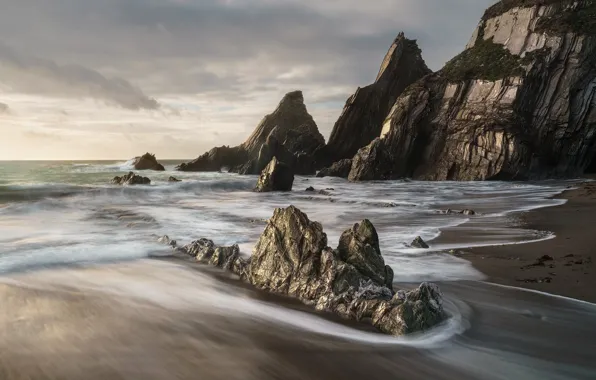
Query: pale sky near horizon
112,79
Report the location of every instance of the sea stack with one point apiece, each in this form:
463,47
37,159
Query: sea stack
147,162
289,133
518,103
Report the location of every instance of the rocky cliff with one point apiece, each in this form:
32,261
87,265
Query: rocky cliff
518,103
289,133
364,112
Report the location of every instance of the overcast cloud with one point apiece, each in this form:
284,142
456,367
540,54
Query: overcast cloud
222,63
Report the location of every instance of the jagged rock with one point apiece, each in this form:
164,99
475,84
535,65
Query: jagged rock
339,169
289,133
167,241
147,162
518,103
173,179
131,179
277,176
419,243
373,162
468,212
310,189
364,112
201,249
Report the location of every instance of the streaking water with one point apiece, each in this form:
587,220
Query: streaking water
57,214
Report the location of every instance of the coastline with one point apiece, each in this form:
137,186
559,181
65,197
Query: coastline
564,265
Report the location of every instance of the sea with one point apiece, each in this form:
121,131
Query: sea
88,292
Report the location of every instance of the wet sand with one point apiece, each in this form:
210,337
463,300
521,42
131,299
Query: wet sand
572,270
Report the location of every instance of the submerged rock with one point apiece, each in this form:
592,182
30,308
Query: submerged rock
419,243
147,162
339,169
310,189
292,258
277,176
173,179
131,179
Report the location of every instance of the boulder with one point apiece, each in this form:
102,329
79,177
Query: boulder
173,179
277,176
147,162
339,169
419,243
310,189
131,179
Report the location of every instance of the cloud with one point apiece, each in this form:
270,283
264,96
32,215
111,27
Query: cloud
28,74
4,108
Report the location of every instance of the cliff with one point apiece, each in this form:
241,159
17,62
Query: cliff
290,133
518,103
364,112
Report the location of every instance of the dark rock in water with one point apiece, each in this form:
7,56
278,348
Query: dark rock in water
508,107
373,162
147,162
201,249
339,169
291,258
363,115
277,176
419,243
173,179
131,179
310,189
289,133
324,192
468,212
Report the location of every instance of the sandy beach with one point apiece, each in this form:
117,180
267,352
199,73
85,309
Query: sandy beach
563,265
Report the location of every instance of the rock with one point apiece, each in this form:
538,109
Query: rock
147,162
373,162
362,117
201,249
468,212
277,176
419,243
131,179
339,169
289,133
310,189
173,179
508,108
359,246
167,241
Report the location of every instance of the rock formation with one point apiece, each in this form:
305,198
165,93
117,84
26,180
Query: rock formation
419,243
147,162
518,103
292,258
174,179
289,133
339,169
131,179
364,112
277,176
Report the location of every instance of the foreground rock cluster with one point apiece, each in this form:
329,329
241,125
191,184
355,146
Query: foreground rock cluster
292,258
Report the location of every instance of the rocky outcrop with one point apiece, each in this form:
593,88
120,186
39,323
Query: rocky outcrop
131,179
277,176
292,258
289,133
518,103
364,112
339,169
147,162
419,243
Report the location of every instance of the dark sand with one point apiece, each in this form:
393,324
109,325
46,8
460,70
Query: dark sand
571,272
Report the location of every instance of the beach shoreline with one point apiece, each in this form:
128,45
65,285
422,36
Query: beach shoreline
563,265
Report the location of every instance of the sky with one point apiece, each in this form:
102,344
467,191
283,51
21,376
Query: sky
112,79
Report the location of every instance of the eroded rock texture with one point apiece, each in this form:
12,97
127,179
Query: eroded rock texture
289,133
364,112
292,258
131,179
339,169
147,162
518,103
277,176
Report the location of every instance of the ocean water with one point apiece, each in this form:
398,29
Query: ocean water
65,228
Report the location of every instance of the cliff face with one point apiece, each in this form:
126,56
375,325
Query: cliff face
364,112
290,133
518,103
